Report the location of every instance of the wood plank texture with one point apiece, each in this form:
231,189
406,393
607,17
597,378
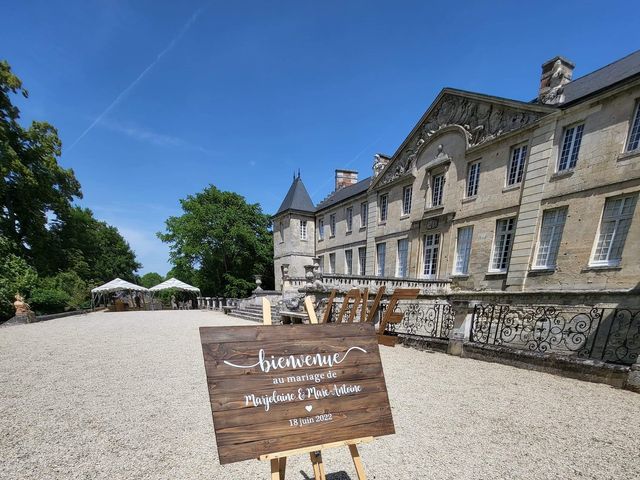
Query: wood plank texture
280,388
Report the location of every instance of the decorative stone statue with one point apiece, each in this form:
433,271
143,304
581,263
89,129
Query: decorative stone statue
20,305
23,310
378,164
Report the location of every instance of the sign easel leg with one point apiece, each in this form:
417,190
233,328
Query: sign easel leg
318,466
275,469
357,461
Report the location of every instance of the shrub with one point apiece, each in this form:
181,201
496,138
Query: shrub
15,276
49,300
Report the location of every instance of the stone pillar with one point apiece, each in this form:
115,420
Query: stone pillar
633,380
463,311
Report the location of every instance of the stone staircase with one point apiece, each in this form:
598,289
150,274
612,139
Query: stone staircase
254,313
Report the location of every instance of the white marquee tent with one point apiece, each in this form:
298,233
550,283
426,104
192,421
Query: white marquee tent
174,283
115,285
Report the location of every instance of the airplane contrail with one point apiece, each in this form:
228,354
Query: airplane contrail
122,94
327,182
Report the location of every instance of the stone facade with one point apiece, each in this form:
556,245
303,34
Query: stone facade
529,179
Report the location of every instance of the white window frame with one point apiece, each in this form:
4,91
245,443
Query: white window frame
402,259
473,179
407,192
430,255
464,238
349,218
332,225
303,229
549,238
437,190
321,228
348,262
517,161
508,233
381,254
384,207
364,214
332,263
633,141
620,220
570,147
362,260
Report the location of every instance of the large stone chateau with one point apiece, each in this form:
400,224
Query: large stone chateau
488,193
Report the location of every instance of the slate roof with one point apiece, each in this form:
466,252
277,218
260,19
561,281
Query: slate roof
297,198
344,193
602,78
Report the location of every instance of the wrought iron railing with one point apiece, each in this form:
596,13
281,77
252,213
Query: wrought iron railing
612,335
424,319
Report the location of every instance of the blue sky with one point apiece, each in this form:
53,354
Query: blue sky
154,100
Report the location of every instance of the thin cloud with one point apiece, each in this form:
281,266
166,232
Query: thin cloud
348,164
122,94
148,136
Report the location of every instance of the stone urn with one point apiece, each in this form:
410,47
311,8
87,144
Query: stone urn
258,279
309,274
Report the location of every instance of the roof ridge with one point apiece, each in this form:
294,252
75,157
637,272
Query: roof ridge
605,66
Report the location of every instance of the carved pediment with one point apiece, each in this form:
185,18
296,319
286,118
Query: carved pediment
481,120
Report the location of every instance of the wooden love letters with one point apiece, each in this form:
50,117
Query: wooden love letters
279,388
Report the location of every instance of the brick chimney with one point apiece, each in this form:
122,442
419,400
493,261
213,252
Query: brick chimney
556,73
344,178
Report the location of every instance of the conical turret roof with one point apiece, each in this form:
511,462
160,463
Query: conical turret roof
297,198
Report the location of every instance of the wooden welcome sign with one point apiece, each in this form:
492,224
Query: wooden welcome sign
274,389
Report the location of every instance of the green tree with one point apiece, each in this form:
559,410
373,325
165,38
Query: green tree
220,242
91,248
151,279
33,186
40,230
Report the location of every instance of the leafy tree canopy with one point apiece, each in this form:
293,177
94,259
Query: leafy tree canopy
219,243
92,248
151,279
50,250
33,185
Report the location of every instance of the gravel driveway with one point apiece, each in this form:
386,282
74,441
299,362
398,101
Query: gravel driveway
123,396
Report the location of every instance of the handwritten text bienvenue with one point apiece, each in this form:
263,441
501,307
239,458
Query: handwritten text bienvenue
297,361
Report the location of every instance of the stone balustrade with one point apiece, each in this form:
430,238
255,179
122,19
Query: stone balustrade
216,303
346,282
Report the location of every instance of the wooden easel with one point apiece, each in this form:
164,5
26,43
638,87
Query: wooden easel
279,460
